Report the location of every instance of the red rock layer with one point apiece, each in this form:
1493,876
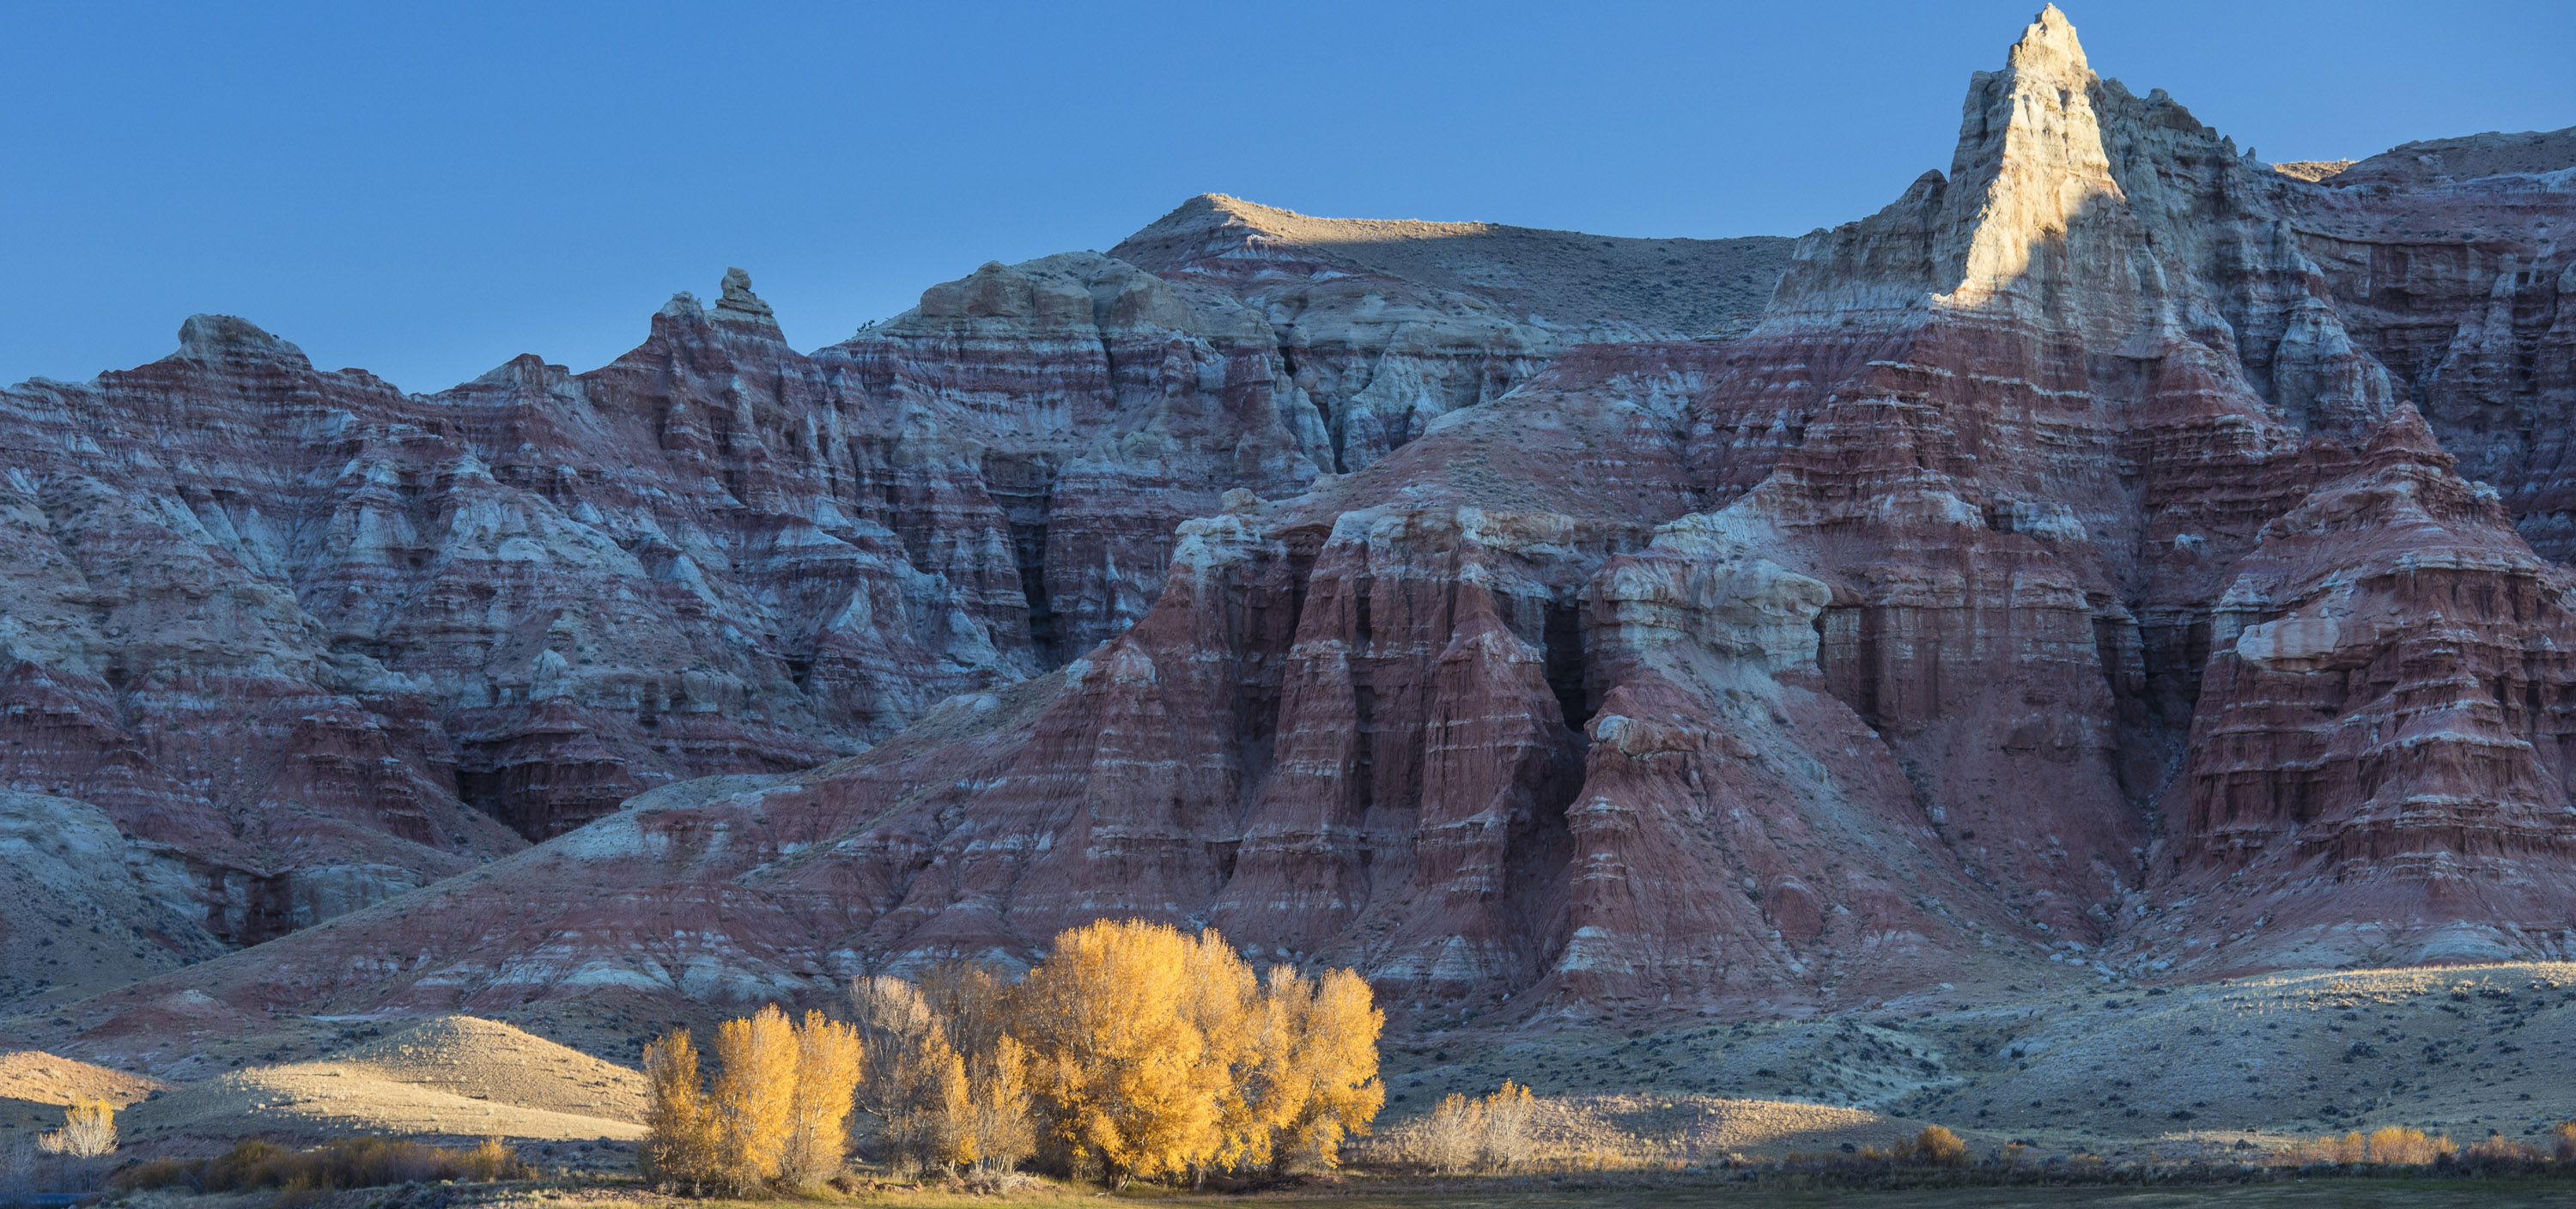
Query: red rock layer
2381,760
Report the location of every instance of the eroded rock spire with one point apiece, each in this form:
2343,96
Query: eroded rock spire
740,305
2030,161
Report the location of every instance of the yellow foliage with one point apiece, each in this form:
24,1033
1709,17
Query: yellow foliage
779,1110
1940,1148
1331,1088
2393,1144
2562,1140
490,1160
680,1135
951,1109
1117,1055
755,1097
88,1132
828,1060
2396,1144
1004,1132
1135,1049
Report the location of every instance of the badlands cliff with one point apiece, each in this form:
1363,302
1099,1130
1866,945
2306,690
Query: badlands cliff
311,642
2114,558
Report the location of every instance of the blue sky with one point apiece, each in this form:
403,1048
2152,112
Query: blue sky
428,190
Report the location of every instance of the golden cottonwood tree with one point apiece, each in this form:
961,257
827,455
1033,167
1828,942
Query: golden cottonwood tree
779,1110
679,1130
828,1067
1118,1058
1134,1049
1331,1090
88,1132
1005,1133
755,1097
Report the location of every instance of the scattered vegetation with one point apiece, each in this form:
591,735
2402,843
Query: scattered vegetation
346,1163
2396,1146
2391,1145
1938,1147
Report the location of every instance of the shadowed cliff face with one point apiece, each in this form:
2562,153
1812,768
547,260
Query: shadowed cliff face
2078,570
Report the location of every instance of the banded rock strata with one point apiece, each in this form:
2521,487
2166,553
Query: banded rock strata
2113,558
315,642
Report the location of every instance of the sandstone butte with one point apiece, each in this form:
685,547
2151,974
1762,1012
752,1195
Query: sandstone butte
2115,556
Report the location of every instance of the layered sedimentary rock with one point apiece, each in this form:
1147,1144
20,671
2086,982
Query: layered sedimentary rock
84,909
2086,567
2382,756
328,641
1386,326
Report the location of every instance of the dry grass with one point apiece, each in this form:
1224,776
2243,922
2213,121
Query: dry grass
1656,1133
344,1163
452,1076
2250,1066
35,1088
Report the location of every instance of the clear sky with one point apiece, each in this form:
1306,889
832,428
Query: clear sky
426,190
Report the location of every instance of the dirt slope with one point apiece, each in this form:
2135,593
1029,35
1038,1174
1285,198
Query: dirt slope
2265,1060
1677,287
451,1076
35,1085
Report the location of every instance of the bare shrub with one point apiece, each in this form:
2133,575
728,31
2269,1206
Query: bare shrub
1505,1140
17,1168
2496,1150
159,1173
912,1083
1446,1141
1462,1135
